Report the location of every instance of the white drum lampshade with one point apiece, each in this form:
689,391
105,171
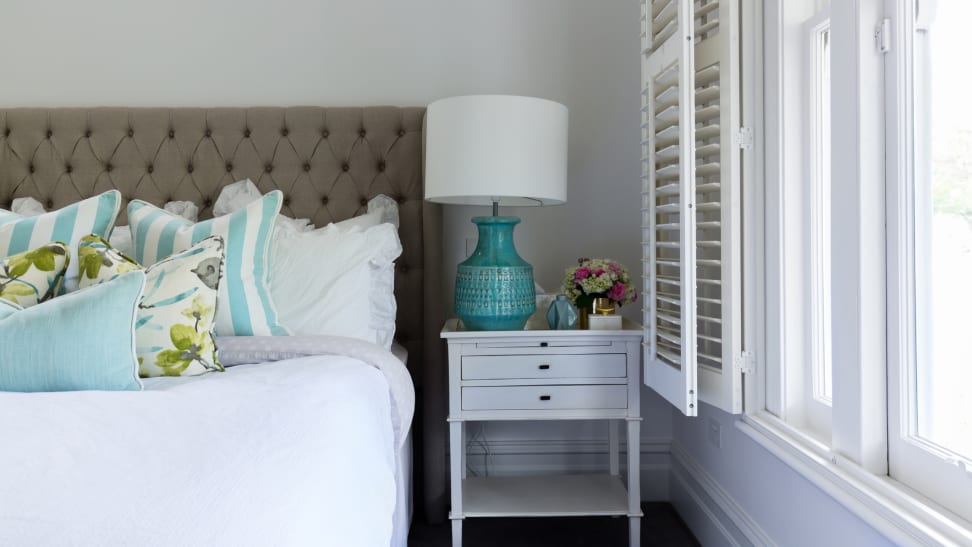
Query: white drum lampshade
495,150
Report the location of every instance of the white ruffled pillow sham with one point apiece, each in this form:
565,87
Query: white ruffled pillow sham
338,280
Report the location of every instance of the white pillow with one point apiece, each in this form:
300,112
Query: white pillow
27,207
337,281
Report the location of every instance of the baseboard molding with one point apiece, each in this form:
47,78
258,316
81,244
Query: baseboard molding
545,457
709,511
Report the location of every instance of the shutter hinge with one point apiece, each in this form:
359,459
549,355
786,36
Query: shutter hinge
744,138
882,35
745,362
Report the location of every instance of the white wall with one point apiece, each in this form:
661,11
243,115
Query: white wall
365,52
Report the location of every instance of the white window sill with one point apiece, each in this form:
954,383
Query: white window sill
904,516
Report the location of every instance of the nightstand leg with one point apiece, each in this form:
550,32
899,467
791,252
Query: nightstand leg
462,460
634,482
457,533
613,452
457,449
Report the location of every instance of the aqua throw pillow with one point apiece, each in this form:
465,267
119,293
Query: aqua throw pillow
244,307
35,276
94,215
80,341
174,331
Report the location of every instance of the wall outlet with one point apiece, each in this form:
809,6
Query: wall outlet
715,433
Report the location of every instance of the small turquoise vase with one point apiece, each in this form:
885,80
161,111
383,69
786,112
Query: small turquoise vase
561,315
494,286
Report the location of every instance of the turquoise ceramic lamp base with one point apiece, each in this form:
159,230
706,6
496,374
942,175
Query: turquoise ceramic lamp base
494,286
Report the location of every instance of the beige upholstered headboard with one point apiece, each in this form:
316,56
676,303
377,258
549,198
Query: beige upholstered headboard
327,161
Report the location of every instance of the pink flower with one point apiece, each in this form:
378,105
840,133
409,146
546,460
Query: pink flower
613,266
617,292
598,272
582,273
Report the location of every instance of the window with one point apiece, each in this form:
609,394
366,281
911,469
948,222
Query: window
871,265
930,262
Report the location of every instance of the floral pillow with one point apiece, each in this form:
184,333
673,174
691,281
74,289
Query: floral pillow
31,277
174,330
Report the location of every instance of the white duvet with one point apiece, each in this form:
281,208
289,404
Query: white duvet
296,452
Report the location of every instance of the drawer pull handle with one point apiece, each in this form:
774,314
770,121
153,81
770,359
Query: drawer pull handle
545,397
543,344
544,367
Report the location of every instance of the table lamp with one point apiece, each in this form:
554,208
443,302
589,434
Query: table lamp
495,150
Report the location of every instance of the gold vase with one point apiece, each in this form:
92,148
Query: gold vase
603,306
600,306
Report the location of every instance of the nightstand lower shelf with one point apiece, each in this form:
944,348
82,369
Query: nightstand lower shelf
545,496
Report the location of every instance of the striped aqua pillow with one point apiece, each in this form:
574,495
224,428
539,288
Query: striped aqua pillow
94,215
243,306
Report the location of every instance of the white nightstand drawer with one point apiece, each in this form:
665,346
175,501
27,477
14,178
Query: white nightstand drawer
544,397
493,367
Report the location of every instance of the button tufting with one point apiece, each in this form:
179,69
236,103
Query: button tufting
150,168
363,202
131,133
68,168
381,166
49,133
209,133
345,167
30,167
207,202
109,167
49,204
325,133
306,167
189,168
400,199
286,201
362,133
171,134
229,167
6,132
268,168
401,132
324,200
246,133
87,134
284,132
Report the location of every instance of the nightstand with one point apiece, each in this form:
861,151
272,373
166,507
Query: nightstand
546,375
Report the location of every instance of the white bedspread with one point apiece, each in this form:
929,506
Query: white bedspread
297,452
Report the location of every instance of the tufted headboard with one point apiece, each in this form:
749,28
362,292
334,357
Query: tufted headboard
327,161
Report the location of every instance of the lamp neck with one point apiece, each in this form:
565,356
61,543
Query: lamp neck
495,207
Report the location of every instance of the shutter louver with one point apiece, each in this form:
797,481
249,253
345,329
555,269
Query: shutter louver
692,314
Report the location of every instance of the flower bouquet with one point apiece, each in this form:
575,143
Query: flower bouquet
597,283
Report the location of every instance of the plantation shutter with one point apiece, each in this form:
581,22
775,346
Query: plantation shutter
691,236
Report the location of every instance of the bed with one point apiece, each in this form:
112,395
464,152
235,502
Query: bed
303,439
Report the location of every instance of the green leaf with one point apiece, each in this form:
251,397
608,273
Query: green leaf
171,362
18,265
89,262
42,258
17,289
182,336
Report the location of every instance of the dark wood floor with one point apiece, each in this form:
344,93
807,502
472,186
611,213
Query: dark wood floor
661,526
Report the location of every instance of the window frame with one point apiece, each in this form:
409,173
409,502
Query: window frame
853,467
912,460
